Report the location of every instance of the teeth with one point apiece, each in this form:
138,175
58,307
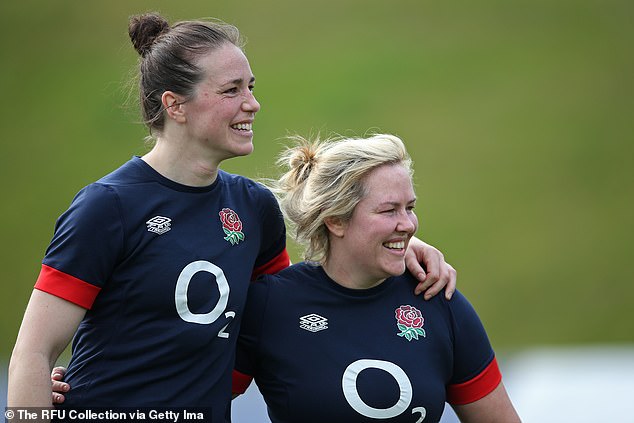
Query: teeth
242,126
395,245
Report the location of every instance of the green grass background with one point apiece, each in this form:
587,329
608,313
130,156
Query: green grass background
518,114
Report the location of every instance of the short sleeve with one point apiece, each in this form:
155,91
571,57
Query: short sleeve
475,370
86,245
272,256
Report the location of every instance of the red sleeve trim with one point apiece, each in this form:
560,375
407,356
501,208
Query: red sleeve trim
240,382
476,388
281,261
66,287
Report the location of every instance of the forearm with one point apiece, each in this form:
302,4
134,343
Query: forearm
48,325
29,380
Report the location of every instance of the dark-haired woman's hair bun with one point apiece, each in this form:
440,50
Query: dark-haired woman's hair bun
144,29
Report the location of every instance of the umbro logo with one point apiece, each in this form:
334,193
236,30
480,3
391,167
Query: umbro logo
159,224
313,322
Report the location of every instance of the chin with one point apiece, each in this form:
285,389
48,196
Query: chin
395,270
244,150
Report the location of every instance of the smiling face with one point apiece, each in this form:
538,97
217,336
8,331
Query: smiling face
371,245
221,112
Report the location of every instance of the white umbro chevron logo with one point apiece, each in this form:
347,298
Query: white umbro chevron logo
313,322
159,224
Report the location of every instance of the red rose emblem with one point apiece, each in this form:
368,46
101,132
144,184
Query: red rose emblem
409,316
231,225
230,220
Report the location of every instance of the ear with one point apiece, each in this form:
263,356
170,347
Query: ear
173,105
336,226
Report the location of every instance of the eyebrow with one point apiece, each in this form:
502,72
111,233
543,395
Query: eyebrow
239,81
396,203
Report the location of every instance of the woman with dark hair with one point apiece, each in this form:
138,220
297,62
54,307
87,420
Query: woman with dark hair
150,265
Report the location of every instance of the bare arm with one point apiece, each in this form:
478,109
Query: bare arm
48,326
439,273
496,407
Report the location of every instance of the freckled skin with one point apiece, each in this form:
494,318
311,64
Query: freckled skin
222,99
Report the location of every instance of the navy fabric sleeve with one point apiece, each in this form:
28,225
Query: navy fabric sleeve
88,239
472,349
273,228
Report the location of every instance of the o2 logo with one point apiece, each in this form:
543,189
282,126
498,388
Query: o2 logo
180,295
349,385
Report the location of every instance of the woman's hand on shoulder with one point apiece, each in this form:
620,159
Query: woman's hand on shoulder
439,273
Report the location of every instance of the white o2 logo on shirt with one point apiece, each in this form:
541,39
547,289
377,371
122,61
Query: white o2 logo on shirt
349,385
180,295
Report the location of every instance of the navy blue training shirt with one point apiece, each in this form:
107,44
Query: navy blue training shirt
163,270
320,352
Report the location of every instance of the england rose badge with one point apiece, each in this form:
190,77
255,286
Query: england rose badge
409,321
231,225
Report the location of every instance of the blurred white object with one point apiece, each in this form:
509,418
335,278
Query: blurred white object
576,384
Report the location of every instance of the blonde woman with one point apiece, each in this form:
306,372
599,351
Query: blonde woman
341,337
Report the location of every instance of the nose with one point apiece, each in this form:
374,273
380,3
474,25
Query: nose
407,222
250,104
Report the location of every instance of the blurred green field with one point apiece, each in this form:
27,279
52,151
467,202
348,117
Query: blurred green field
519,117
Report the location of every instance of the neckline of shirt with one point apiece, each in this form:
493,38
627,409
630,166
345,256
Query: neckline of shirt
360,292
173,184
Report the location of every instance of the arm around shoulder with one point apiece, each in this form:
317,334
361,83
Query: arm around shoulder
47,327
